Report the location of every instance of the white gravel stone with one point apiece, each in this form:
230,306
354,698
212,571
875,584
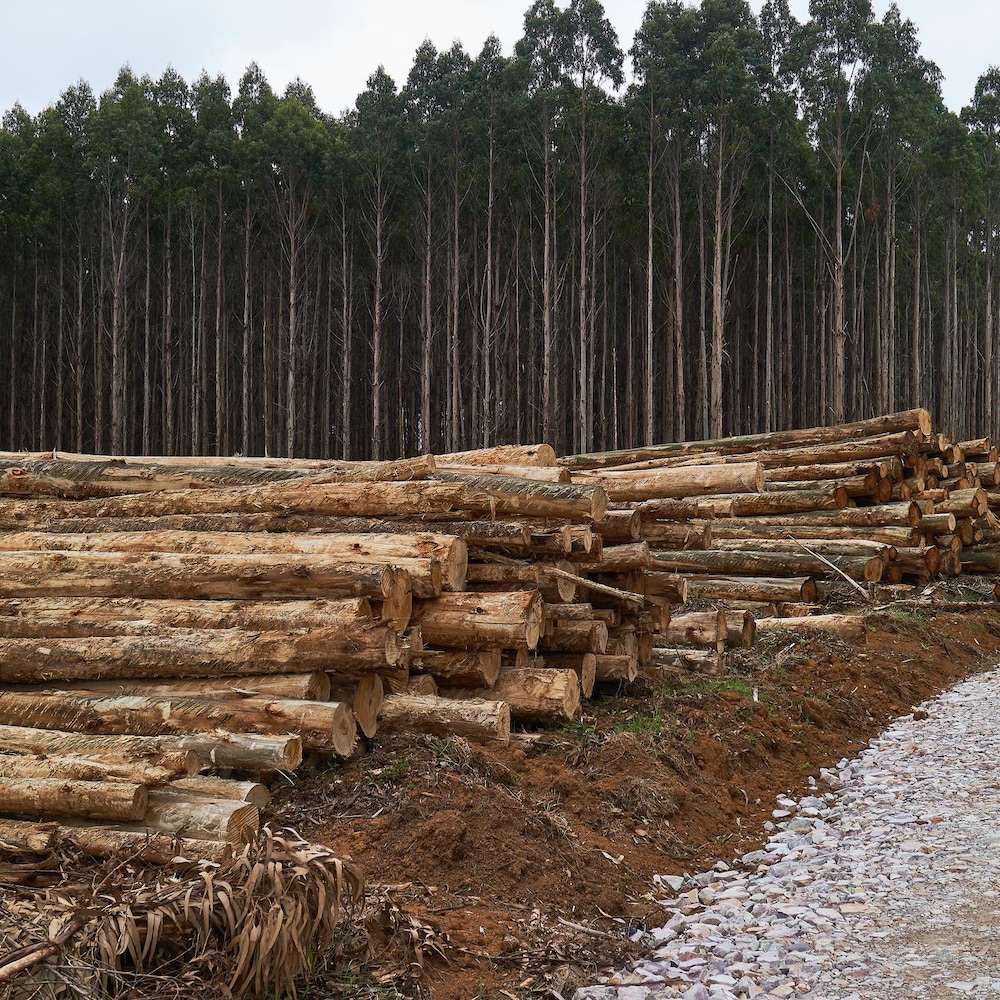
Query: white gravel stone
886,886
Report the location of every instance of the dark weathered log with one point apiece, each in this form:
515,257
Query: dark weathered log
504,620
322,725
181,575
17,836
475,719
677,534
684,510
741,629
508,573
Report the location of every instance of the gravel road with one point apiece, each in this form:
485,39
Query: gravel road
884,883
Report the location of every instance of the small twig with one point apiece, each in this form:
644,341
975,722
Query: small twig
589,930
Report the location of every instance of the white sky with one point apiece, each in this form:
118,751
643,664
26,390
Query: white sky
335,45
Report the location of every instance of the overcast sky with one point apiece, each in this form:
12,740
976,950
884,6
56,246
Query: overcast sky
335,45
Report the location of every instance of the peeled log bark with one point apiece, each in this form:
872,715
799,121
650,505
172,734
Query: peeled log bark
190,653
202,819
415,553
533,694
773,563
320,725
474,668
801,590
14,765
850,627
365,699
142,845
541,455
58,797
472,718
505,495
893,423
584,665
503,620
706,629
369,499
674,483
171,574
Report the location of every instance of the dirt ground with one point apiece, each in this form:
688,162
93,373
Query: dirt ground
523,871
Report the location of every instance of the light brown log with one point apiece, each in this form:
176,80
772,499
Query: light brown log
704,629
517,658
396,609
365,698
475,719
417,554
677,534
327,726
369,499
623,640
741,629
537,455
58,797
746,588
615,669
170,574
505,495
190,653
558,582
910,420
947,543
533,694
976,447
789,502
314,686
576,637
502,620
673,586
751,563
938,524
422,686
674,483
584,665
620,526
535,473
964,503
201,818
573,612
475,668
919,560
737,528
685,510
238,750
884,467
508,573
860,547
619,558
95,616
850,627
142,845
211,787
906,515
18,836
138,772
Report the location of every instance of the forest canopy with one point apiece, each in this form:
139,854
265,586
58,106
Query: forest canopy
777,223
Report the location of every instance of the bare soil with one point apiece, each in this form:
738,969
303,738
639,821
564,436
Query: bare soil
524,870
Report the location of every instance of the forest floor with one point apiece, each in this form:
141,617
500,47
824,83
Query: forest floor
524,871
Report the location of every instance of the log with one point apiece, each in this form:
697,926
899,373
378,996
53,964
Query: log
540,474
672,586
141,845
909,420
474,668
849,627
921,561
858,547
938,524
776,564
501,620
684,510
577,612
189,653
619,558
584,665
475,719
964,503
326,726
17,836
416,553
531,455
61,797
368,499
576,637
699,661
615,669
788,502
676,483
421,685
314,686
510,574
705,629
506,495
200,818
182,575
533,694
677,534
137,772
906,515
799,590
244,751
620,526
365,698
884,467
737,528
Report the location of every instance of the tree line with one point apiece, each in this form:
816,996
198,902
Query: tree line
775,224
